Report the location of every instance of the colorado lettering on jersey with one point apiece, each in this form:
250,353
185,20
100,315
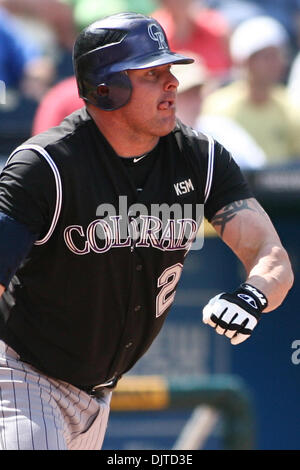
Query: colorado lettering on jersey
145,231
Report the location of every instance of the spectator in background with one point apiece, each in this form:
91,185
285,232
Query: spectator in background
194,86
54,13
23,67
236,11
286,12
257,100
190,92
233,137
87,11
51,24
60,101
204,32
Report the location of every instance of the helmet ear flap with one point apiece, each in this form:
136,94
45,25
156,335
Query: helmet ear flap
114,92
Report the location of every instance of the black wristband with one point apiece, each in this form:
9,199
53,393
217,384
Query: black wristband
262,301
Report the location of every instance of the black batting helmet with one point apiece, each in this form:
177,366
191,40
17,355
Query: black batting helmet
107,48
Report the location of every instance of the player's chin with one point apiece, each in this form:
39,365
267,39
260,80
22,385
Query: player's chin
166,124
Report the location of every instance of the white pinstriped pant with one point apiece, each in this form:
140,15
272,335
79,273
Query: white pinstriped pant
41,413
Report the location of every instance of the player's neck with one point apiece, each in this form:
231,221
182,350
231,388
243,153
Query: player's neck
123,140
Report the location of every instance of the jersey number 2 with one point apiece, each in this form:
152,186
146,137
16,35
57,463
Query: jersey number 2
167,281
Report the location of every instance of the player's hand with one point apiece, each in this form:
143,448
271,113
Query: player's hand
235,315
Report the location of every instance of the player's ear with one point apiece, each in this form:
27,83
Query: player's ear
113,93
102,89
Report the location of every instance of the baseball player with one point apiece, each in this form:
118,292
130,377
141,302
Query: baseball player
87,284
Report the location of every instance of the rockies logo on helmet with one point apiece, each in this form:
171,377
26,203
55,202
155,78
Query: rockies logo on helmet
157,35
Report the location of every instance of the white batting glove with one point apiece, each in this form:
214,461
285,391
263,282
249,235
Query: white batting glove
235,315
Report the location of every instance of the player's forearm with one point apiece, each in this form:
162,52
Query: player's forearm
249,232
271,272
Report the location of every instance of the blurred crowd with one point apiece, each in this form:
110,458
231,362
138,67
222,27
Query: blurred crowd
243,88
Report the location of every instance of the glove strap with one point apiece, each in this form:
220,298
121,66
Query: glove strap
261,299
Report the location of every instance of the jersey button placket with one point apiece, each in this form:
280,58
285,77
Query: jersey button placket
138,268
128,342
137,308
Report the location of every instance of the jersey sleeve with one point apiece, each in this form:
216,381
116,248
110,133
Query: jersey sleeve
15,242
27,191
228,182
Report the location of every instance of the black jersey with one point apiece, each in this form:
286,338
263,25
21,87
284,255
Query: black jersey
96,287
